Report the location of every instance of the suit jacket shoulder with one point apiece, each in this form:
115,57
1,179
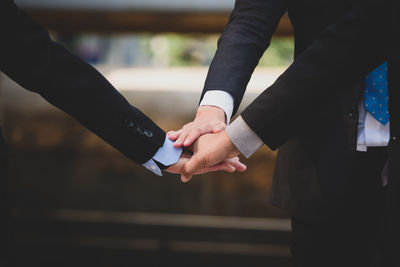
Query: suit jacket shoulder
245,38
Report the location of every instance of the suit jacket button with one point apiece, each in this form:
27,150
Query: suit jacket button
129,123
394,138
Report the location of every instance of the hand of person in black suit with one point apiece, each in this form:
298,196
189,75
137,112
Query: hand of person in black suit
209,119
209,149
228,165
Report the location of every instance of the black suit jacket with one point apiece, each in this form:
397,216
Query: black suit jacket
344,53
33,60
311,112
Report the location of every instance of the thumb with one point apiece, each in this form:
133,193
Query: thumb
191,166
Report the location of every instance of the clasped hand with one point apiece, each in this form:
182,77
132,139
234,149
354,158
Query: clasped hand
211,146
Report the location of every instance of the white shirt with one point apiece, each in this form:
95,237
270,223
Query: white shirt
371,133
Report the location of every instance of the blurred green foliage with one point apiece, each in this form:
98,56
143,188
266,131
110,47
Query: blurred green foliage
164,50
192,50
280,52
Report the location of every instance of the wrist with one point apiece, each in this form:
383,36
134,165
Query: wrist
231,149
211,111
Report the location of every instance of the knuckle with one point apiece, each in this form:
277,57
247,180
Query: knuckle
182,136
196,131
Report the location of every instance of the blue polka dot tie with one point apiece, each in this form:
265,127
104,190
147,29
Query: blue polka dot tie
376,96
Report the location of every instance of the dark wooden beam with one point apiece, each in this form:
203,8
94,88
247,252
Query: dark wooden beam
113,22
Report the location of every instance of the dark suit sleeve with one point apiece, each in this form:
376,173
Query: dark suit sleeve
245,38
342,55
33,60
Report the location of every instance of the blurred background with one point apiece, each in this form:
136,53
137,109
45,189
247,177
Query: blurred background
78,202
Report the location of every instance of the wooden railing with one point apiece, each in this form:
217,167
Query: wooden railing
208,16
190,240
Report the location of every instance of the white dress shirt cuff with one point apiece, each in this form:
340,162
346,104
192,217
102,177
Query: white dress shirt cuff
166,155
243,137
221,99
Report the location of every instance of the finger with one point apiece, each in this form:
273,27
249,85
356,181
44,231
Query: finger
173,135
185,179
197,132
192,166
193,135
181,139
235,162
223,166
219,127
